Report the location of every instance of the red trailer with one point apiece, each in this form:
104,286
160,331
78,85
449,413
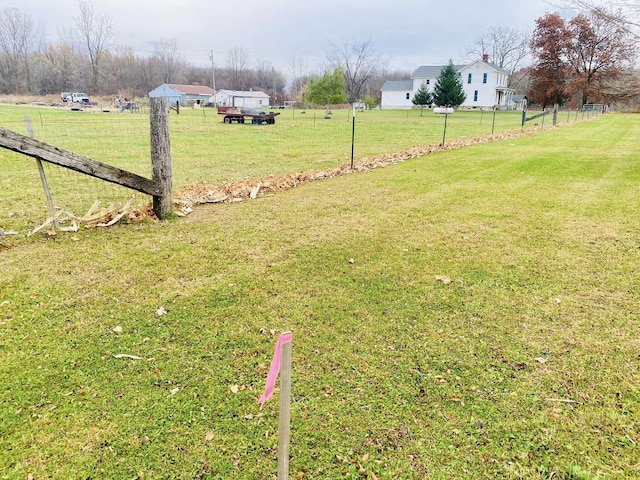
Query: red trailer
236,114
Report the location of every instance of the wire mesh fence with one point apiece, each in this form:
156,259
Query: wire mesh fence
207,150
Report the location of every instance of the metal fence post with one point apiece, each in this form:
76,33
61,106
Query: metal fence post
444,133
353,135
493,124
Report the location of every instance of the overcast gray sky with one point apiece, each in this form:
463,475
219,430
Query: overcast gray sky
408,33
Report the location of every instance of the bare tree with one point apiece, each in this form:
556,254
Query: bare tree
17,39
171,63
359,62
237,63
300,75
95,30
269,79
506,47
64,67
623,13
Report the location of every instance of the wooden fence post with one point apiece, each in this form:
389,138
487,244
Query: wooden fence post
285,411
161,156
43,177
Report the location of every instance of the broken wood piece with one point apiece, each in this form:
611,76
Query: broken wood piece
124,355
47,222
254,191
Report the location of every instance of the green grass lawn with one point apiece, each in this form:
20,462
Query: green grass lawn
204,149
525,365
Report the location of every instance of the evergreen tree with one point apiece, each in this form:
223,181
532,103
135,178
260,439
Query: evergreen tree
448,91
422,97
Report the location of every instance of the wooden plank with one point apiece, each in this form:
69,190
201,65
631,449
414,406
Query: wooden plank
36,149
536,116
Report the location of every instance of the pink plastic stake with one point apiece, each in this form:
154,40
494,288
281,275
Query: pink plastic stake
274,370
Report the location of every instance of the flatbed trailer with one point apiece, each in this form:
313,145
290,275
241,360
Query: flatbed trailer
238,115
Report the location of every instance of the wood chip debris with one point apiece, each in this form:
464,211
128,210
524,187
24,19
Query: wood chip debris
95,217
202,193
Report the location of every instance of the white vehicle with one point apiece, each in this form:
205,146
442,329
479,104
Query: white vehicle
79,98
65,96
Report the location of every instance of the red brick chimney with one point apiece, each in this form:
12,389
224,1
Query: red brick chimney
485,58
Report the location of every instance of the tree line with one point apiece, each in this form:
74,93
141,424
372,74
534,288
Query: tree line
587,58
81,60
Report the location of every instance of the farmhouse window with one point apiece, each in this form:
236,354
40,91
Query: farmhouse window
475,95
469,78
484,78
408,96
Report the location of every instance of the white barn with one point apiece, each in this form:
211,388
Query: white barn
236,98
485,85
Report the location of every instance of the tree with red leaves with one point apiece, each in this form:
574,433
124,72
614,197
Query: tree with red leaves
598,52
550,74
577,58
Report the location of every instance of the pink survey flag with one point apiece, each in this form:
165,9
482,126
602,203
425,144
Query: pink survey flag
274,370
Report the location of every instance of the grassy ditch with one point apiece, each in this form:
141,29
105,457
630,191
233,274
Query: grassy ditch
469,314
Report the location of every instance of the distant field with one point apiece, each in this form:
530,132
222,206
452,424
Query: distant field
206,150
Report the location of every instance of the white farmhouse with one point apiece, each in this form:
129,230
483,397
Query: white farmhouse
236,98
485,85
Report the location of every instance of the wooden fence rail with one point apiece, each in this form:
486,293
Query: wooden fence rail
160,187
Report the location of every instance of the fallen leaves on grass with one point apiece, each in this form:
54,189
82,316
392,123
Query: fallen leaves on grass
202,193
444,279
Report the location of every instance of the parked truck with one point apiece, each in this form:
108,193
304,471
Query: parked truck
79,98
75,97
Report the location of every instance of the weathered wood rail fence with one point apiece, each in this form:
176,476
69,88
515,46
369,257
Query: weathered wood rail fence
159,186
545,112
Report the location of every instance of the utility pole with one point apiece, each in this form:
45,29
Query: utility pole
213,71
275,94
